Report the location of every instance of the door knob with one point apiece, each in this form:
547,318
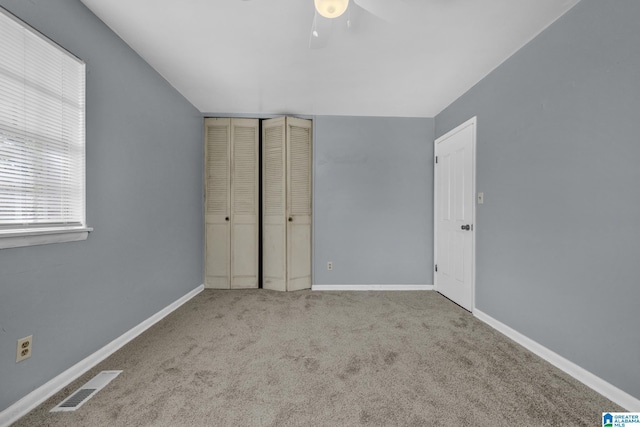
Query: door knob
226,219
290,219
466,227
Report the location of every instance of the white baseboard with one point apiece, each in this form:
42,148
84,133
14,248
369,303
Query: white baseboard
609,391
371,287
42,393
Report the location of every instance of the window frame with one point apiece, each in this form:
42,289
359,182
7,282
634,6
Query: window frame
39,233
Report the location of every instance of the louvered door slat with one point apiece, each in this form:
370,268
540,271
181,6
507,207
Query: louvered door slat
274,171
217,169
300,163
245,170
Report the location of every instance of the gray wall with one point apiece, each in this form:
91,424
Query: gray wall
373,200
558,238
144,191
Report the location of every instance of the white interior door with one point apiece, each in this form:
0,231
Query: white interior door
218,202
298,204
244,203
455,214
274,210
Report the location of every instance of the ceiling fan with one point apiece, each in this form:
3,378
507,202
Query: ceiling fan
327,12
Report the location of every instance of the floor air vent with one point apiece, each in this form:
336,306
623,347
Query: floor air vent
86,392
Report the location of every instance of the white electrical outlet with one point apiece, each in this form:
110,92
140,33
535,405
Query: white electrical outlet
480,198
329,265
24,349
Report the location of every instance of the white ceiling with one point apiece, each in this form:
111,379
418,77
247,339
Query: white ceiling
253,56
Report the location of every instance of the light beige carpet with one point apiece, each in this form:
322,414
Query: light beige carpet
261,358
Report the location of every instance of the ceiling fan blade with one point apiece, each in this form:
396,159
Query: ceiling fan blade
393,11
321,29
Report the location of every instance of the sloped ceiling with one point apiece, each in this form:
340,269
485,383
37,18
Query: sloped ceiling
253,56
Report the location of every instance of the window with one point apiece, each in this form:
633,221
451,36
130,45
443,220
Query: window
42,139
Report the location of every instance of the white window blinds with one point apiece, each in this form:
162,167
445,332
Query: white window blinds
42,130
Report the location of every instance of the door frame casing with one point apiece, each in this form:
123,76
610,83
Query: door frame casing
471,122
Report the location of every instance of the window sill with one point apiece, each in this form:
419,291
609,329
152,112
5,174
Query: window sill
42,236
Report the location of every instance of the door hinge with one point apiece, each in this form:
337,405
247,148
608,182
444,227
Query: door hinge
436,159
436,268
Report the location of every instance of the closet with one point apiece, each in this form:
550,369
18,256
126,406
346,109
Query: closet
286,203
231,203
232,209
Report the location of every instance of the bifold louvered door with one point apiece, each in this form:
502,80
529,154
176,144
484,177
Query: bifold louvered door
231,217
286,197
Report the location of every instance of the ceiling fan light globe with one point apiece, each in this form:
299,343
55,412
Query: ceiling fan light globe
331,8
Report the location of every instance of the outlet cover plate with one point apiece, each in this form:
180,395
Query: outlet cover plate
24,348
